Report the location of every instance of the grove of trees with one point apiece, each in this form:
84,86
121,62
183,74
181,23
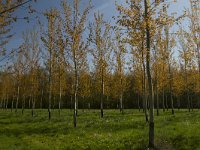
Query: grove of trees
140,62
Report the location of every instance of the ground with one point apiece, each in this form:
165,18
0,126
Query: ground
115,131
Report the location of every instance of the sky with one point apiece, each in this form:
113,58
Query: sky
107,7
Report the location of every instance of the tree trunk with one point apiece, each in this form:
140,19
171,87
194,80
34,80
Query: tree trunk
83,106
77,105
102,91
198,102
188,98
179,104
59,103
138,102
169,69
6,102
163,100
151,97
121,103
172,103
186,85
76,88
41,99
198,55
157,102
3,100
171,95
17,100
33,106
191,102
23,101
88,106
1,105
29,102
144,85
12,104
166,101
71,102
50,80
121,94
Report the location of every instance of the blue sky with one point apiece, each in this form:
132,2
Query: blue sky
104,6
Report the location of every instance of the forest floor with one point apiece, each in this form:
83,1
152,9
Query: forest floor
115,131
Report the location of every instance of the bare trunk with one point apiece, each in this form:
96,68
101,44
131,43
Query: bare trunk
102,91
49,107
121,104
151,98
33,106
83,104
186,85
156,82
59,103
12,104
163,100
71,102
17,100
54,101
179,104
191,101
188,99
157,101
6,102
88,106
171,95
41,99
76,89
121,86
29,102
156,94
1,105
138,102
3,102
198,55
144,86
166,101
169,69
59,106
77,105
23,103
172,103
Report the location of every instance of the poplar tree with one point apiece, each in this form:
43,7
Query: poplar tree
74,26
141,17
48,40
119,51
101,42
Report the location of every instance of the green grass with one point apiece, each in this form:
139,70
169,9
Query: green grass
114,131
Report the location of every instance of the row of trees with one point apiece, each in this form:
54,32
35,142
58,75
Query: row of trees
132,64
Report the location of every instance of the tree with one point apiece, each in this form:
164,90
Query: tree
194,34
49,43
76,48
186,55
142,18
119,51
62,64
7,17
5,21
32,53
100,38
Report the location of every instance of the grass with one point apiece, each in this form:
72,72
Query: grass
115,131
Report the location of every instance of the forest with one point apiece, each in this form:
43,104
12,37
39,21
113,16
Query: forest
131,82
